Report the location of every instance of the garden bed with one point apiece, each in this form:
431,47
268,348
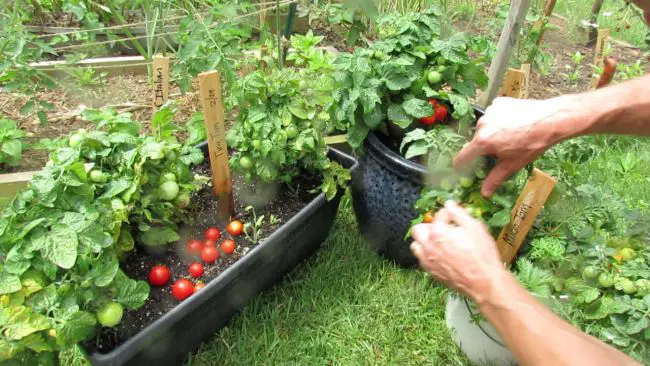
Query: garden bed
302,223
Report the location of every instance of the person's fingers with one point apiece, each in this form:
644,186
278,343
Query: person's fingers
442,217
468,154
459,215
497,176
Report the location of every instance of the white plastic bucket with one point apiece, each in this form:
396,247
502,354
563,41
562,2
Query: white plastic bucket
480,342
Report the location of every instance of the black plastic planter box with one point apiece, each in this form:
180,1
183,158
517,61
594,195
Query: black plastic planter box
385,188
169,339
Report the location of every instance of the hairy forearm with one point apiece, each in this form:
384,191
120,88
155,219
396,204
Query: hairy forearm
618,109
536,335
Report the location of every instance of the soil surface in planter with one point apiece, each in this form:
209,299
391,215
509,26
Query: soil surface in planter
283,206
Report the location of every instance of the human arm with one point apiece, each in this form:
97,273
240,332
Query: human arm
517,131
459,252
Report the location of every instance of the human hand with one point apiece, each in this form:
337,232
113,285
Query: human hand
459,252
516,132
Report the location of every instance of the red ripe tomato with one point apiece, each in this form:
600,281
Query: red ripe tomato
196,269
182,289
441,113
213,234
159,276
433,102
428,120
194,247
235,228
199,286
210,254
228,246
210,243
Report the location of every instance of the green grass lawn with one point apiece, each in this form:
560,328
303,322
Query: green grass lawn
345,307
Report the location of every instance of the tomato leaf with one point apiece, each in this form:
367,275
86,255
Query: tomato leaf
61,246
417,108
9,283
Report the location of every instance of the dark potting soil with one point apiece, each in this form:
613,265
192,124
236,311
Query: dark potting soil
283,203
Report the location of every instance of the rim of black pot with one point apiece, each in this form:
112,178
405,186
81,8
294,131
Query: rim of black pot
396,163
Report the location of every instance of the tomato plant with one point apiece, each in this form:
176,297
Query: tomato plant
279,132
84,211
394,79
228,246
182,289
196,269
159,275
11,142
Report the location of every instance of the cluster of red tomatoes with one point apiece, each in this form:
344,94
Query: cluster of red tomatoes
440,112
208,252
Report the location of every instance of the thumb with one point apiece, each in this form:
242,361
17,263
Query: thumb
459,215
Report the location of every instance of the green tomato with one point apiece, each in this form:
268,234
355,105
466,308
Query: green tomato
480,173
183,200
171,155
441,69
168,191
75,140
168,177
434,77
605,280
642,286
627,254
292,131
475,212
590,272
110,314
466,182
378,55
96,176
628,286
441,60
446,185
256,144
117,204
246,162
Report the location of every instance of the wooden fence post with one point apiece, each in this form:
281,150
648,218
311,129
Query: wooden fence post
518,10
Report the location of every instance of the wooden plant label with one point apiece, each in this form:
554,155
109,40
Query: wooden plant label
524,88
160,81
528,206
212,103
599,57
513,83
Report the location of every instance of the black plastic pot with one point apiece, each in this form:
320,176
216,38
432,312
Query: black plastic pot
385,188
169,339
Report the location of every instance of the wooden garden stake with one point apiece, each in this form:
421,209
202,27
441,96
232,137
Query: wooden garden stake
518,10
524,89
212,103
160,81
513,84
528,206
599,57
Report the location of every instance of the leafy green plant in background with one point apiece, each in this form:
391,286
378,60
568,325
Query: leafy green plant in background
11,142
389,81
279,130
335,16
61,239
210,42
577,58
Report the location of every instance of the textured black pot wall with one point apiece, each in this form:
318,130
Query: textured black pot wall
385,188
168,340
